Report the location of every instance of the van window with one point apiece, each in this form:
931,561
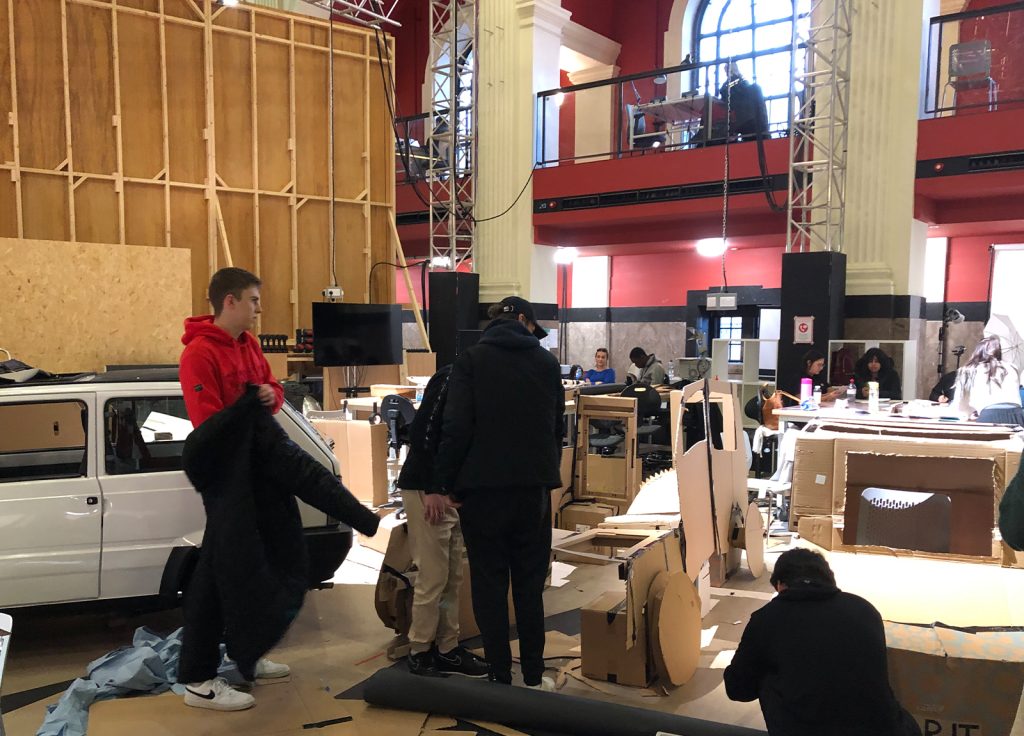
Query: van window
42,439
145,435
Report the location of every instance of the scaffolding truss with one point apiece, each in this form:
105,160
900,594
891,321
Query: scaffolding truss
819,95
451,136
374,13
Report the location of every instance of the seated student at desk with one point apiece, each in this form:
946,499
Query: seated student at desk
813,367
875,365
988,388
601,372
651,369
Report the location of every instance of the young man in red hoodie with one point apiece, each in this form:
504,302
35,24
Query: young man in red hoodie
220,359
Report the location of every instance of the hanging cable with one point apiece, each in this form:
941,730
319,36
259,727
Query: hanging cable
330,129
725,177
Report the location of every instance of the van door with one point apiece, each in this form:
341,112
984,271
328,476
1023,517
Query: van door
50,510
149,503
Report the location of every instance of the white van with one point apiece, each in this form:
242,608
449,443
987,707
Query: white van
94,504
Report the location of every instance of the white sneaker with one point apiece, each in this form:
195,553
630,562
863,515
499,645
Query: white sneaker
267,670
216,694
546,685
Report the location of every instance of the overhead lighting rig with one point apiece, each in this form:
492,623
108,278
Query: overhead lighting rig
374,13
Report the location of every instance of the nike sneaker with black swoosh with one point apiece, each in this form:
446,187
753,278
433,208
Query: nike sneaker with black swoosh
216,694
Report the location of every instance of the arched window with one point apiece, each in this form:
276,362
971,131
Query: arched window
757,35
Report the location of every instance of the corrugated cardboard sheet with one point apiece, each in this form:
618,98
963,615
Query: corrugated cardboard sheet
954,681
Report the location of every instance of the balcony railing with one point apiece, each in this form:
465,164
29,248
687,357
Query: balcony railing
666,109
975,61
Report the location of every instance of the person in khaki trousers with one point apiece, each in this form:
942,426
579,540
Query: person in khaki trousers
435,540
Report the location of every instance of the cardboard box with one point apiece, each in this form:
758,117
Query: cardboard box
420,363
379,541
618,504
823,531
579,516
603,624
813,481
362,452
954,682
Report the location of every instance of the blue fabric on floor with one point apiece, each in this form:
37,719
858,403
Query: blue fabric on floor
148,666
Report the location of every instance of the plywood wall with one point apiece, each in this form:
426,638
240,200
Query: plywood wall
70,307
146,122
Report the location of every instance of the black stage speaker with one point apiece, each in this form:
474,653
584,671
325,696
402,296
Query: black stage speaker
454,306
813,285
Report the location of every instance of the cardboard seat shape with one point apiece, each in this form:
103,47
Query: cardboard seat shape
673,623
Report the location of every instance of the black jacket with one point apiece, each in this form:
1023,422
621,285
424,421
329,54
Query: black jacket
889,386
503,416
816,659
425,436
248,473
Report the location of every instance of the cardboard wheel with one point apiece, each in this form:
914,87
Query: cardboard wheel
674,627
753,532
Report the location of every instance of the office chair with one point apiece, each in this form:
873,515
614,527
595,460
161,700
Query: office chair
398,413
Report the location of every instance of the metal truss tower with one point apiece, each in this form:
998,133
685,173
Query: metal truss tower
819,96
451,130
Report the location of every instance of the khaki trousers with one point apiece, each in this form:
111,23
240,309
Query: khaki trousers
437,551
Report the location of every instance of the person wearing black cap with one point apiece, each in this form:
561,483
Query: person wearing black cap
499,458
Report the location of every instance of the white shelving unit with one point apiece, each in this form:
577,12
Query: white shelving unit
902,352
744,376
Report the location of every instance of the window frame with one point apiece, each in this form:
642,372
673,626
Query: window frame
713,71
110,468
85,462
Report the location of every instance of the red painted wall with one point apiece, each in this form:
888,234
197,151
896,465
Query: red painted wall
1005,31
967,277
412,46
662,280
567,123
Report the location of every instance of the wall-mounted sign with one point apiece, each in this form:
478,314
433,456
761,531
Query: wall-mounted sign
803,330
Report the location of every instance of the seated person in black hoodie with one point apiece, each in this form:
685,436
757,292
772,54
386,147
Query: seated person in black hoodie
875,365
435,541
815,657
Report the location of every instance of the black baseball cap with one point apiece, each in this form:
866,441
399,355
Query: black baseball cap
518,305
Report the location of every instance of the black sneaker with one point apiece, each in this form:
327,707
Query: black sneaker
461,661
424,664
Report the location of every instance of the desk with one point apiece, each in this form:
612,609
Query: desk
796,414
680,114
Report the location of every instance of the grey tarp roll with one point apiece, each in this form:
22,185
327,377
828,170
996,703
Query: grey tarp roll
530,709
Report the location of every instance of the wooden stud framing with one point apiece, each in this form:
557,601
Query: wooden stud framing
154,199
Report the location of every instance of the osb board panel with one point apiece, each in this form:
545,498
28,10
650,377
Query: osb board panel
309,33
144,218
141,97
91,79
186,109
109,290
232,101
181,9
96,212
311,128
276,266
6,131
273,116
40,82
45,203
350,83
189,226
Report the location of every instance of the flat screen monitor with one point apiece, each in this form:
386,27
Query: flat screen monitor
357,334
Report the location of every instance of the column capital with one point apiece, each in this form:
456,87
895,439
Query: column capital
869,279
545,14
595,73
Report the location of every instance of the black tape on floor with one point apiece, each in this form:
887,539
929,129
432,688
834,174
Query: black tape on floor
531,710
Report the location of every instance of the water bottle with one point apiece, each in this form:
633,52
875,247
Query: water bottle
851,392
345,413
671,371
419,393
817,395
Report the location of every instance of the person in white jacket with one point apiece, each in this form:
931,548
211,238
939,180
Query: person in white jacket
986,382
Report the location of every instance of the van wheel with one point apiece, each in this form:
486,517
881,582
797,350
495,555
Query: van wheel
174,582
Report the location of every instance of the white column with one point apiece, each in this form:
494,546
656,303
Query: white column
884,91
519,45
595,111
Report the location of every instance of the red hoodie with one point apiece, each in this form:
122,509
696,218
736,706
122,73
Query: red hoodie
215,368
